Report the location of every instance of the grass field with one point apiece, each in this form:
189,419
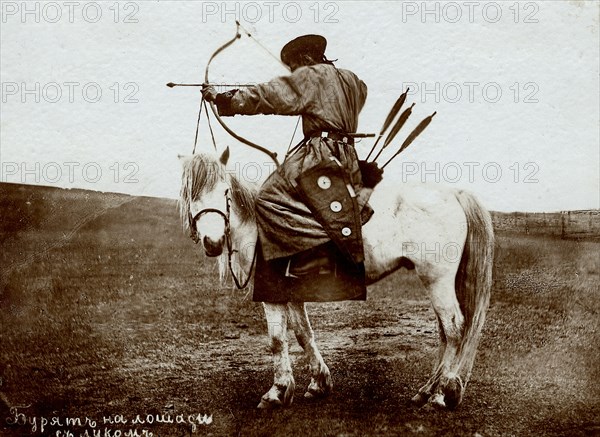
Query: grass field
108,310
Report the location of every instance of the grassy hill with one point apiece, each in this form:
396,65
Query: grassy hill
36,220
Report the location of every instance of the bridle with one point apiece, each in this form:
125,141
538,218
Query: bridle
230,250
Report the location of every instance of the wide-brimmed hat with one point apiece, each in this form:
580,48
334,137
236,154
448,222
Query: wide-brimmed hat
309,44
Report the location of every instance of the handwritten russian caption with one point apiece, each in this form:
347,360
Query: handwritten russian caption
118,425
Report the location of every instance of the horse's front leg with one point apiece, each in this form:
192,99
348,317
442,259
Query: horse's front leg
282,391
320,384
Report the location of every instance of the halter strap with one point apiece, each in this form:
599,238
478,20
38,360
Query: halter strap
228,241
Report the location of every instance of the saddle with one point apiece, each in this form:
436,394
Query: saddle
316,261
320,274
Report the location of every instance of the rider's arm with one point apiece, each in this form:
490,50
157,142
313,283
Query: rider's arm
286,95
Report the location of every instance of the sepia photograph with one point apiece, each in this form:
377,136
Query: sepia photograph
283,218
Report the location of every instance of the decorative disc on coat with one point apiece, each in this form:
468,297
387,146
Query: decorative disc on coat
335,206
324,182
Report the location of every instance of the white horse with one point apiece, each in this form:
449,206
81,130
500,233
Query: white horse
445,235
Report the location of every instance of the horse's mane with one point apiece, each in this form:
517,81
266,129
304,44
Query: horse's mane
243,199
200,174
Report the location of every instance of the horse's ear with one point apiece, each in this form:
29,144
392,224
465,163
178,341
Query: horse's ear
225,156
184,159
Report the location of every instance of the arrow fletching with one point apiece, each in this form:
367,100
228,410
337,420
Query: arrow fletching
395,109
414,134
388,120
401,121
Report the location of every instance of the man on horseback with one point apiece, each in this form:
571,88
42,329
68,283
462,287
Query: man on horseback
311,209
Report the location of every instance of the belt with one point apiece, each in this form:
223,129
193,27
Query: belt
336,136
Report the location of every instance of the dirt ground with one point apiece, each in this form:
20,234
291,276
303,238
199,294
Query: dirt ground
114,324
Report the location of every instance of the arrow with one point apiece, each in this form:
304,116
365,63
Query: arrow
401,120
237,85
386,124
414,134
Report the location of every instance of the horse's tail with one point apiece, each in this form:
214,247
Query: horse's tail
473,281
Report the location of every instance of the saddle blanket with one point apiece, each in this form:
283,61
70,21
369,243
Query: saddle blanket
321,274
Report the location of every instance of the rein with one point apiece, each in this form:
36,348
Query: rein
230,251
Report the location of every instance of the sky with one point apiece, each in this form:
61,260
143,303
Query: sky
515,86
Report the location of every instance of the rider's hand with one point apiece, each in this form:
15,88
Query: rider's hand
209,93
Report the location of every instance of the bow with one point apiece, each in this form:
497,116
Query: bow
227,129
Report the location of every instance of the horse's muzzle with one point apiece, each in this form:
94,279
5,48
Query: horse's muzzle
213,248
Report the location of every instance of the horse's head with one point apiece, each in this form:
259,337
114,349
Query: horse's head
205,193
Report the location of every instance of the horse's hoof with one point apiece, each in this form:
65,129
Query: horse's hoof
269,404
437,401
319,388
315,394
280,395
270,400
453,392
420,399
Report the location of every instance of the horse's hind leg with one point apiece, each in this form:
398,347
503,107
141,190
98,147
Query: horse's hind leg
422,397
320,384
282,391
444,388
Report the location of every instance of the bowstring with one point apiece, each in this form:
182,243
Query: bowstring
212,134
203,101
293,135
261,45
203,105
198,125
280,62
